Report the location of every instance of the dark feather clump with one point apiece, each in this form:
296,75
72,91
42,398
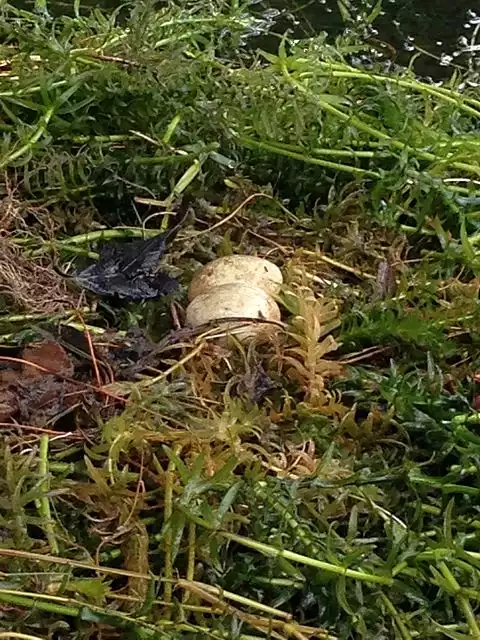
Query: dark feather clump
129,270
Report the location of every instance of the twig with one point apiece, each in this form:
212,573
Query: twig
236,211
20,636
340,265
150,381
91,349
365,354
122,61
228,595
85,385
39,557
29,427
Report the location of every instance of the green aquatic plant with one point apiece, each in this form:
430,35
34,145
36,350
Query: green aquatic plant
322,485
143,102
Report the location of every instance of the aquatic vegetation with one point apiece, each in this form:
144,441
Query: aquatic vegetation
162,481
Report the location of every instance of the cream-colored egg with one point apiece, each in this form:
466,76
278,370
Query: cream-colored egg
250,270
235,300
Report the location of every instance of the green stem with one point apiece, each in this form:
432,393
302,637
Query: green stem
273,148
340,153
41,128
109,234
462,600
43,503
61,246
29,317
376,133
154,160
409,84
192,537
118,137
405,633
311,562
41,605
62,467
440,92
63,610
470,616
280,582
167,514
30,90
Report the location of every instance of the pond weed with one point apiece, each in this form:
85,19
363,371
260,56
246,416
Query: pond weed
321,485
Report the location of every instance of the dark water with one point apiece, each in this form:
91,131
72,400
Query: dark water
446,31
442,29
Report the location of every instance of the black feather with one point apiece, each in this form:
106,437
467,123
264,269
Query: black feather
129,270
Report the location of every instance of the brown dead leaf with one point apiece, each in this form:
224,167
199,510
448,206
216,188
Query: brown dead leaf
47,355
36,386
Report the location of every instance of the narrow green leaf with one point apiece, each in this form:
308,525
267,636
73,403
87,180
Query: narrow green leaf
198,466
467,247
375,12
171,129
227,501
224,472
450,633
282,52
180,466
352,524
187,178
222,160
344,9
149,599
341,593
93,588
447,522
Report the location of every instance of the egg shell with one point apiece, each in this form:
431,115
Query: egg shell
235,300
250,270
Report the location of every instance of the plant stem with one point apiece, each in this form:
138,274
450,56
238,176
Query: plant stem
29,317
41,605
171,159
109,234
311,562
337,166
192,529
462,600
405,633
340,153
118,137
30,90
41,128
43,503
408,84
372,131
167,514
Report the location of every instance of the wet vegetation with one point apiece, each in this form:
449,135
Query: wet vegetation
161,482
